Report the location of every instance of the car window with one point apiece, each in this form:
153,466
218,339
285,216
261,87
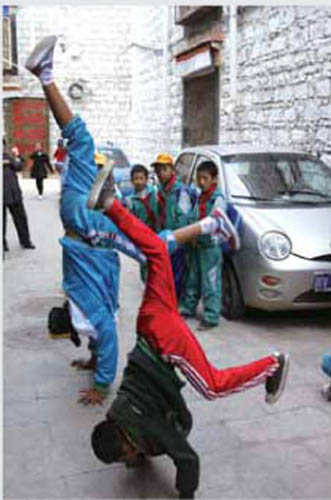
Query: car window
117,155
275,176
183,166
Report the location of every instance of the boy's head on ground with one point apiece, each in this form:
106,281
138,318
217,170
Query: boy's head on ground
139,177
164,167
110,444
207,175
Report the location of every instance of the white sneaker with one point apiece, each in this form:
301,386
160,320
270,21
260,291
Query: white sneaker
40,61
226,232
40,196
102,191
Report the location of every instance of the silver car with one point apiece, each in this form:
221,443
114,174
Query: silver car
284,198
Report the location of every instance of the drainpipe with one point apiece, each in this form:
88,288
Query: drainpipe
166,100
233,55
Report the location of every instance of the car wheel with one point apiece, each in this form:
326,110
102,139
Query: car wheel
233,306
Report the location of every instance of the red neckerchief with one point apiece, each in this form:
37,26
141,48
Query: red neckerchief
162,202
150,214
204,197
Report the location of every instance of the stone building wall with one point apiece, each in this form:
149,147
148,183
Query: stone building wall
283,79
92,48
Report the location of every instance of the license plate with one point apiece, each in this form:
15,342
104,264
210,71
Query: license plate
322,283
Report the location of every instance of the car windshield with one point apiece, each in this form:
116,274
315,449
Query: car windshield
115,154
278,178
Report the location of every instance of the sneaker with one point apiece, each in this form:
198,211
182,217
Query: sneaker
226,232
326,391
275,384
204,325
102,191
29,246
40,60
40,196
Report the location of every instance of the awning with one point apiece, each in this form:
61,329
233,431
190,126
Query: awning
199,59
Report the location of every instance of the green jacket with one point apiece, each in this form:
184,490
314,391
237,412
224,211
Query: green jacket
150,407
215,200
174,205
144,206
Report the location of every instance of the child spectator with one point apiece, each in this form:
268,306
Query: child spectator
174,206
143,202
203,279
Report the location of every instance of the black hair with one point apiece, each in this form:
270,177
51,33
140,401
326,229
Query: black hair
106,441
139,168
209,167
59,322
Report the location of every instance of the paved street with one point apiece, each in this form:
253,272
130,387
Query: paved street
247,449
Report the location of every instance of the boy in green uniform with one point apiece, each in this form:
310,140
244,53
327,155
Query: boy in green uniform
142,203
203,279
174,207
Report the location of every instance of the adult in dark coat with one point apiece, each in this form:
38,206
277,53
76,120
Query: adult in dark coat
40,164
12,198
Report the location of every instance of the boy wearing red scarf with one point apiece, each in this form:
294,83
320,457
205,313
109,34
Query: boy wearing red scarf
203,279
174,209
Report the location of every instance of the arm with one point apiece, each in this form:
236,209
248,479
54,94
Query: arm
48,163
179,450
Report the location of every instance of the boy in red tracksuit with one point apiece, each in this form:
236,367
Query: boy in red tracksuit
159,322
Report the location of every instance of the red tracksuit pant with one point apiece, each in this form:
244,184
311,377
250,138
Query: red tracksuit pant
165,330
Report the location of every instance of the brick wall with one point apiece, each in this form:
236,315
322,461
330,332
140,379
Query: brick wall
283,79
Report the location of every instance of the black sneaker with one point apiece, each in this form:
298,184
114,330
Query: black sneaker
204,325
103,189
326,391
28,246
275,384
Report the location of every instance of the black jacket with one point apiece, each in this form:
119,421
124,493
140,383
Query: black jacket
150,407
40,164
11,190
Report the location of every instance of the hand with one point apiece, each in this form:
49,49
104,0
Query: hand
91,396
84,364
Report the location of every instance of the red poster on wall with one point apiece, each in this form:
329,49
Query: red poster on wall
27,123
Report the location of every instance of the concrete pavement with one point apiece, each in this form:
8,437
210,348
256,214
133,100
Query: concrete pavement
247,449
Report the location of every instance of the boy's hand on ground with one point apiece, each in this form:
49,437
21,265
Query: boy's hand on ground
91,396
83,364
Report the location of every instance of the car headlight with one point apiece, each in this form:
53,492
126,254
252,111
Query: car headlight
275,246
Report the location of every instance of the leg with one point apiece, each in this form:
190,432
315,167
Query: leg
4,227
21,224
192,285
39,187
210,265
159,322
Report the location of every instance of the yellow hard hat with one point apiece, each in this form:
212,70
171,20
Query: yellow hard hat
100,159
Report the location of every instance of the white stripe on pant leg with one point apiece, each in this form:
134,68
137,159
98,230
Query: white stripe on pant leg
201,386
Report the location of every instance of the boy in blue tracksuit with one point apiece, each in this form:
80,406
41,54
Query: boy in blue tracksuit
90,264
174,207
203,279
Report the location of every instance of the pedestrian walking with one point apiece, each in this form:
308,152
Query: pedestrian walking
39,164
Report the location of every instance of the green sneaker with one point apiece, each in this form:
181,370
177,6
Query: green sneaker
275,384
